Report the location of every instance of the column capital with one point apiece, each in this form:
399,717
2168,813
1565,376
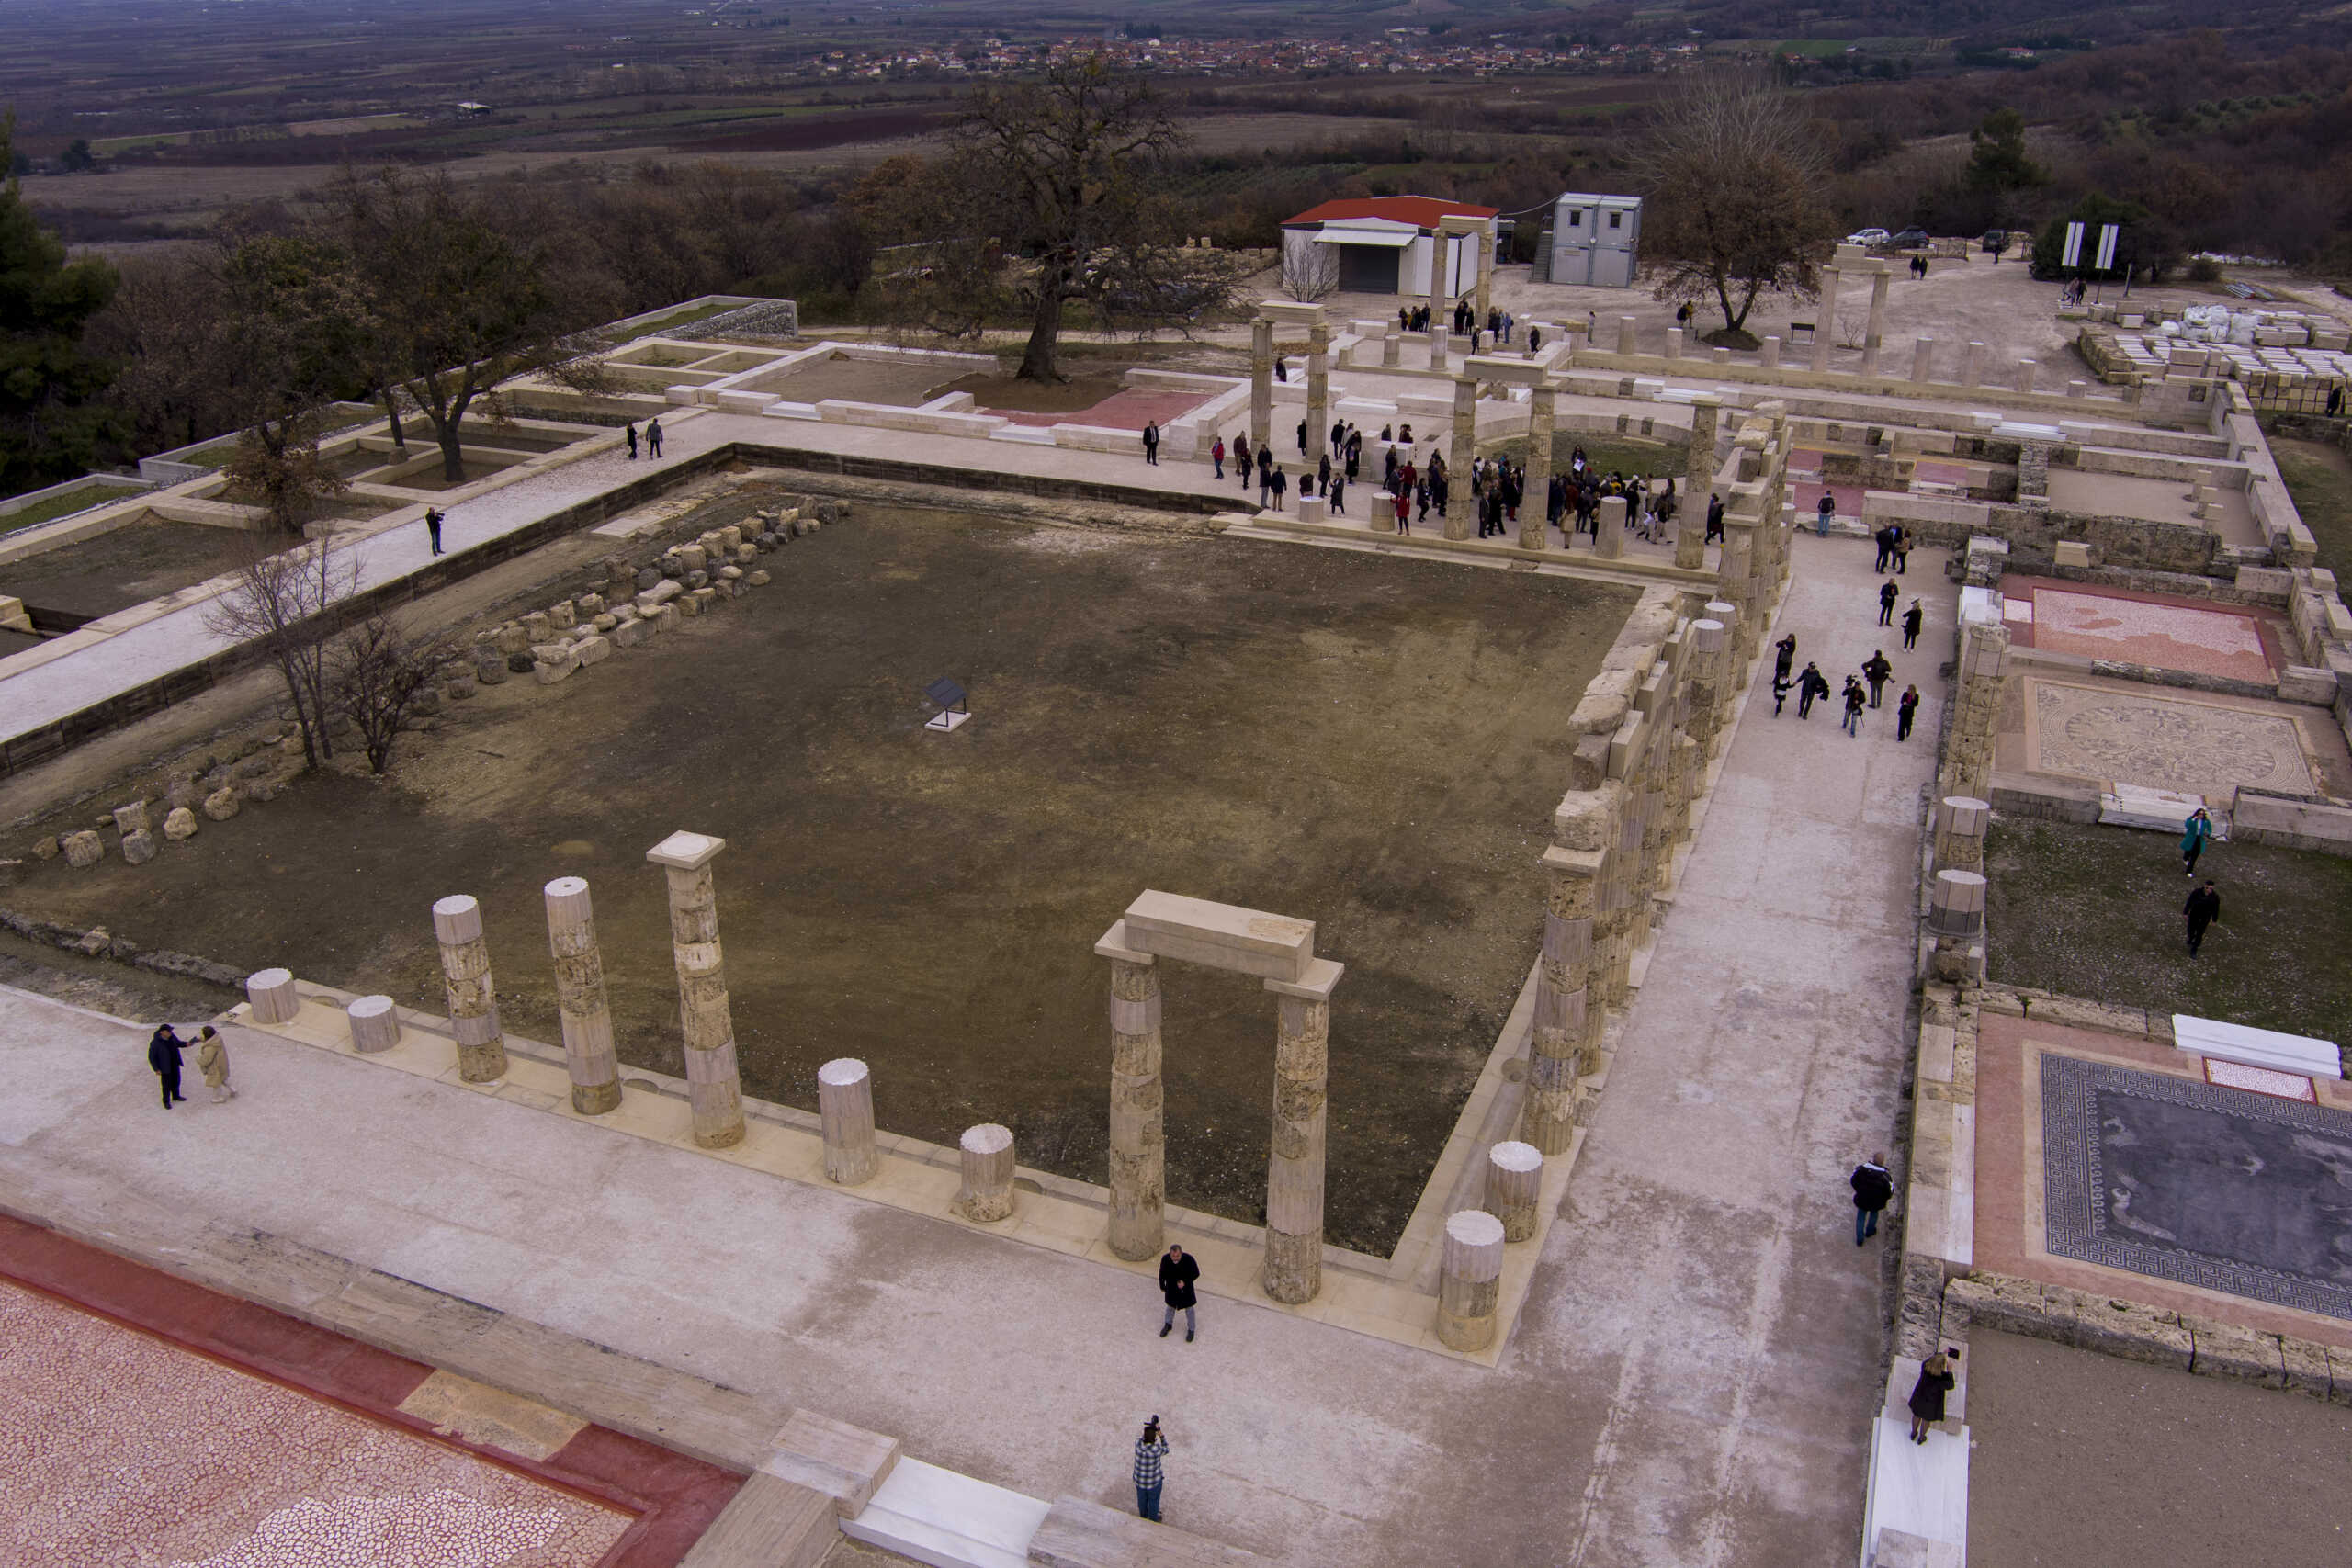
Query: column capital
683,851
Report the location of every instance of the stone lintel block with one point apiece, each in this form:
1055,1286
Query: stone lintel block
1588,764
1291,312
2224,1349
2133,1331
592,649
1322,977
1250,941
1494,368
547,671
1586,819
1113,945
2071,1012
685,851
844,1463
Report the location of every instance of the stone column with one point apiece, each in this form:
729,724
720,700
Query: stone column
1976,711
1262,383
1826,328
1609,536
714,1083
1542,405
845,1110
2026,370
271,992
1465,449
1569,1019
1318,386
1514,1187
1674,343
1392,351
1440,302
1469,1280
1699,482
1956,905
1960,822
986,1196
1972,365
1769,356
1138,1144
1628,339
580,997
375,1023
1710,673
473,998
1872,334
1295,1169
1923,359
1485,239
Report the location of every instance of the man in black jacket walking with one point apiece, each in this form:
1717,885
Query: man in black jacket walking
2204,906
1874,1185
1177,1269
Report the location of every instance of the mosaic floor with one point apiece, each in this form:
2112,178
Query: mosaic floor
2201,747
2198,1183
2171,637
121,1450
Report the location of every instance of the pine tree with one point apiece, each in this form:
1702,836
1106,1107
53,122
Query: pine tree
52,423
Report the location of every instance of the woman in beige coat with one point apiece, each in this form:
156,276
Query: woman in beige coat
212,1060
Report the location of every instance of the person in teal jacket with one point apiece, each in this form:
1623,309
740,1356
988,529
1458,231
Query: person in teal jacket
2196,833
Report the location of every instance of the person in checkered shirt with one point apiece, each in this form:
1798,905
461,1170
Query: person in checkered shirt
1150,1449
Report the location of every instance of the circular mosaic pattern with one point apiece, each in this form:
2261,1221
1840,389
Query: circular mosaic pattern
2194,747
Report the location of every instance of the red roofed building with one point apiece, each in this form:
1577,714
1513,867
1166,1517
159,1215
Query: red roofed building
1382,244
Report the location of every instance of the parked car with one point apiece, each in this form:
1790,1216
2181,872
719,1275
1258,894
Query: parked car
1910,240
1996,240
1867,237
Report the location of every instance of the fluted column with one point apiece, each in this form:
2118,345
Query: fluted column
580,997
1295,1169
1262,383
1138,1138
713,1081
1543,406
465,981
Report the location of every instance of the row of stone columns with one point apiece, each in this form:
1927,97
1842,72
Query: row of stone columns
1976,711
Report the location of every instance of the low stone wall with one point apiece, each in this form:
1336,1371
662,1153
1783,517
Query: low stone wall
2259,818
2184,1341
2034,533
2335,433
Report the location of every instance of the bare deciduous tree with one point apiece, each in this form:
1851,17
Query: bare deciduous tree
1310,272
1734,175
375,672
283,602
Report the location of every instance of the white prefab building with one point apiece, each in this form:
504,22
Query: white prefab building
1385,244
1596,239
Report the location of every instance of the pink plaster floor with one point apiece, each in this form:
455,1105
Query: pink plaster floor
2201,639
1120,411
123,1451
1808,497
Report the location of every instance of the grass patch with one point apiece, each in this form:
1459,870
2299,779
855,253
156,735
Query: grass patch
63,505
2096,912
1651,460
2319,478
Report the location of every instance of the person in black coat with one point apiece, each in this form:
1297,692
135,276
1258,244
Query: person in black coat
1874,1186
2204,906
1786,655
163,1050
1810,684
1715,519
1887,594
1912,618
1177,1269
1927,1401
1877,670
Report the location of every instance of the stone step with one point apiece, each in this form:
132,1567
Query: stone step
948,1521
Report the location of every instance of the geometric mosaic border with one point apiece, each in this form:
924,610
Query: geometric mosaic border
2074,1185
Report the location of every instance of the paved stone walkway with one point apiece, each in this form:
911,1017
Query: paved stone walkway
1690,1383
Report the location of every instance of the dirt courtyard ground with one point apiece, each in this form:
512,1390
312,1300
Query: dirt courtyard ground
1374,744
124,567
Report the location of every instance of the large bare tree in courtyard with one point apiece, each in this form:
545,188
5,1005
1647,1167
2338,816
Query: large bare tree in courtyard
459,302
1057,196
1734,178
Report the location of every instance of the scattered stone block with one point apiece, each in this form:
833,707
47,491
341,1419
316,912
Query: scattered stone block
94,941
765,543
85,848
689,606
592,649
561,616
757,580
632,632
131,818
696,580
511,638
458,688
551,652
605,622
730,537
730,573
649,577
182,791
659,594
139,848
261,791
744,553
180,824
704,597
589,605
664,618
691,558
547,671
537,628
46,847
